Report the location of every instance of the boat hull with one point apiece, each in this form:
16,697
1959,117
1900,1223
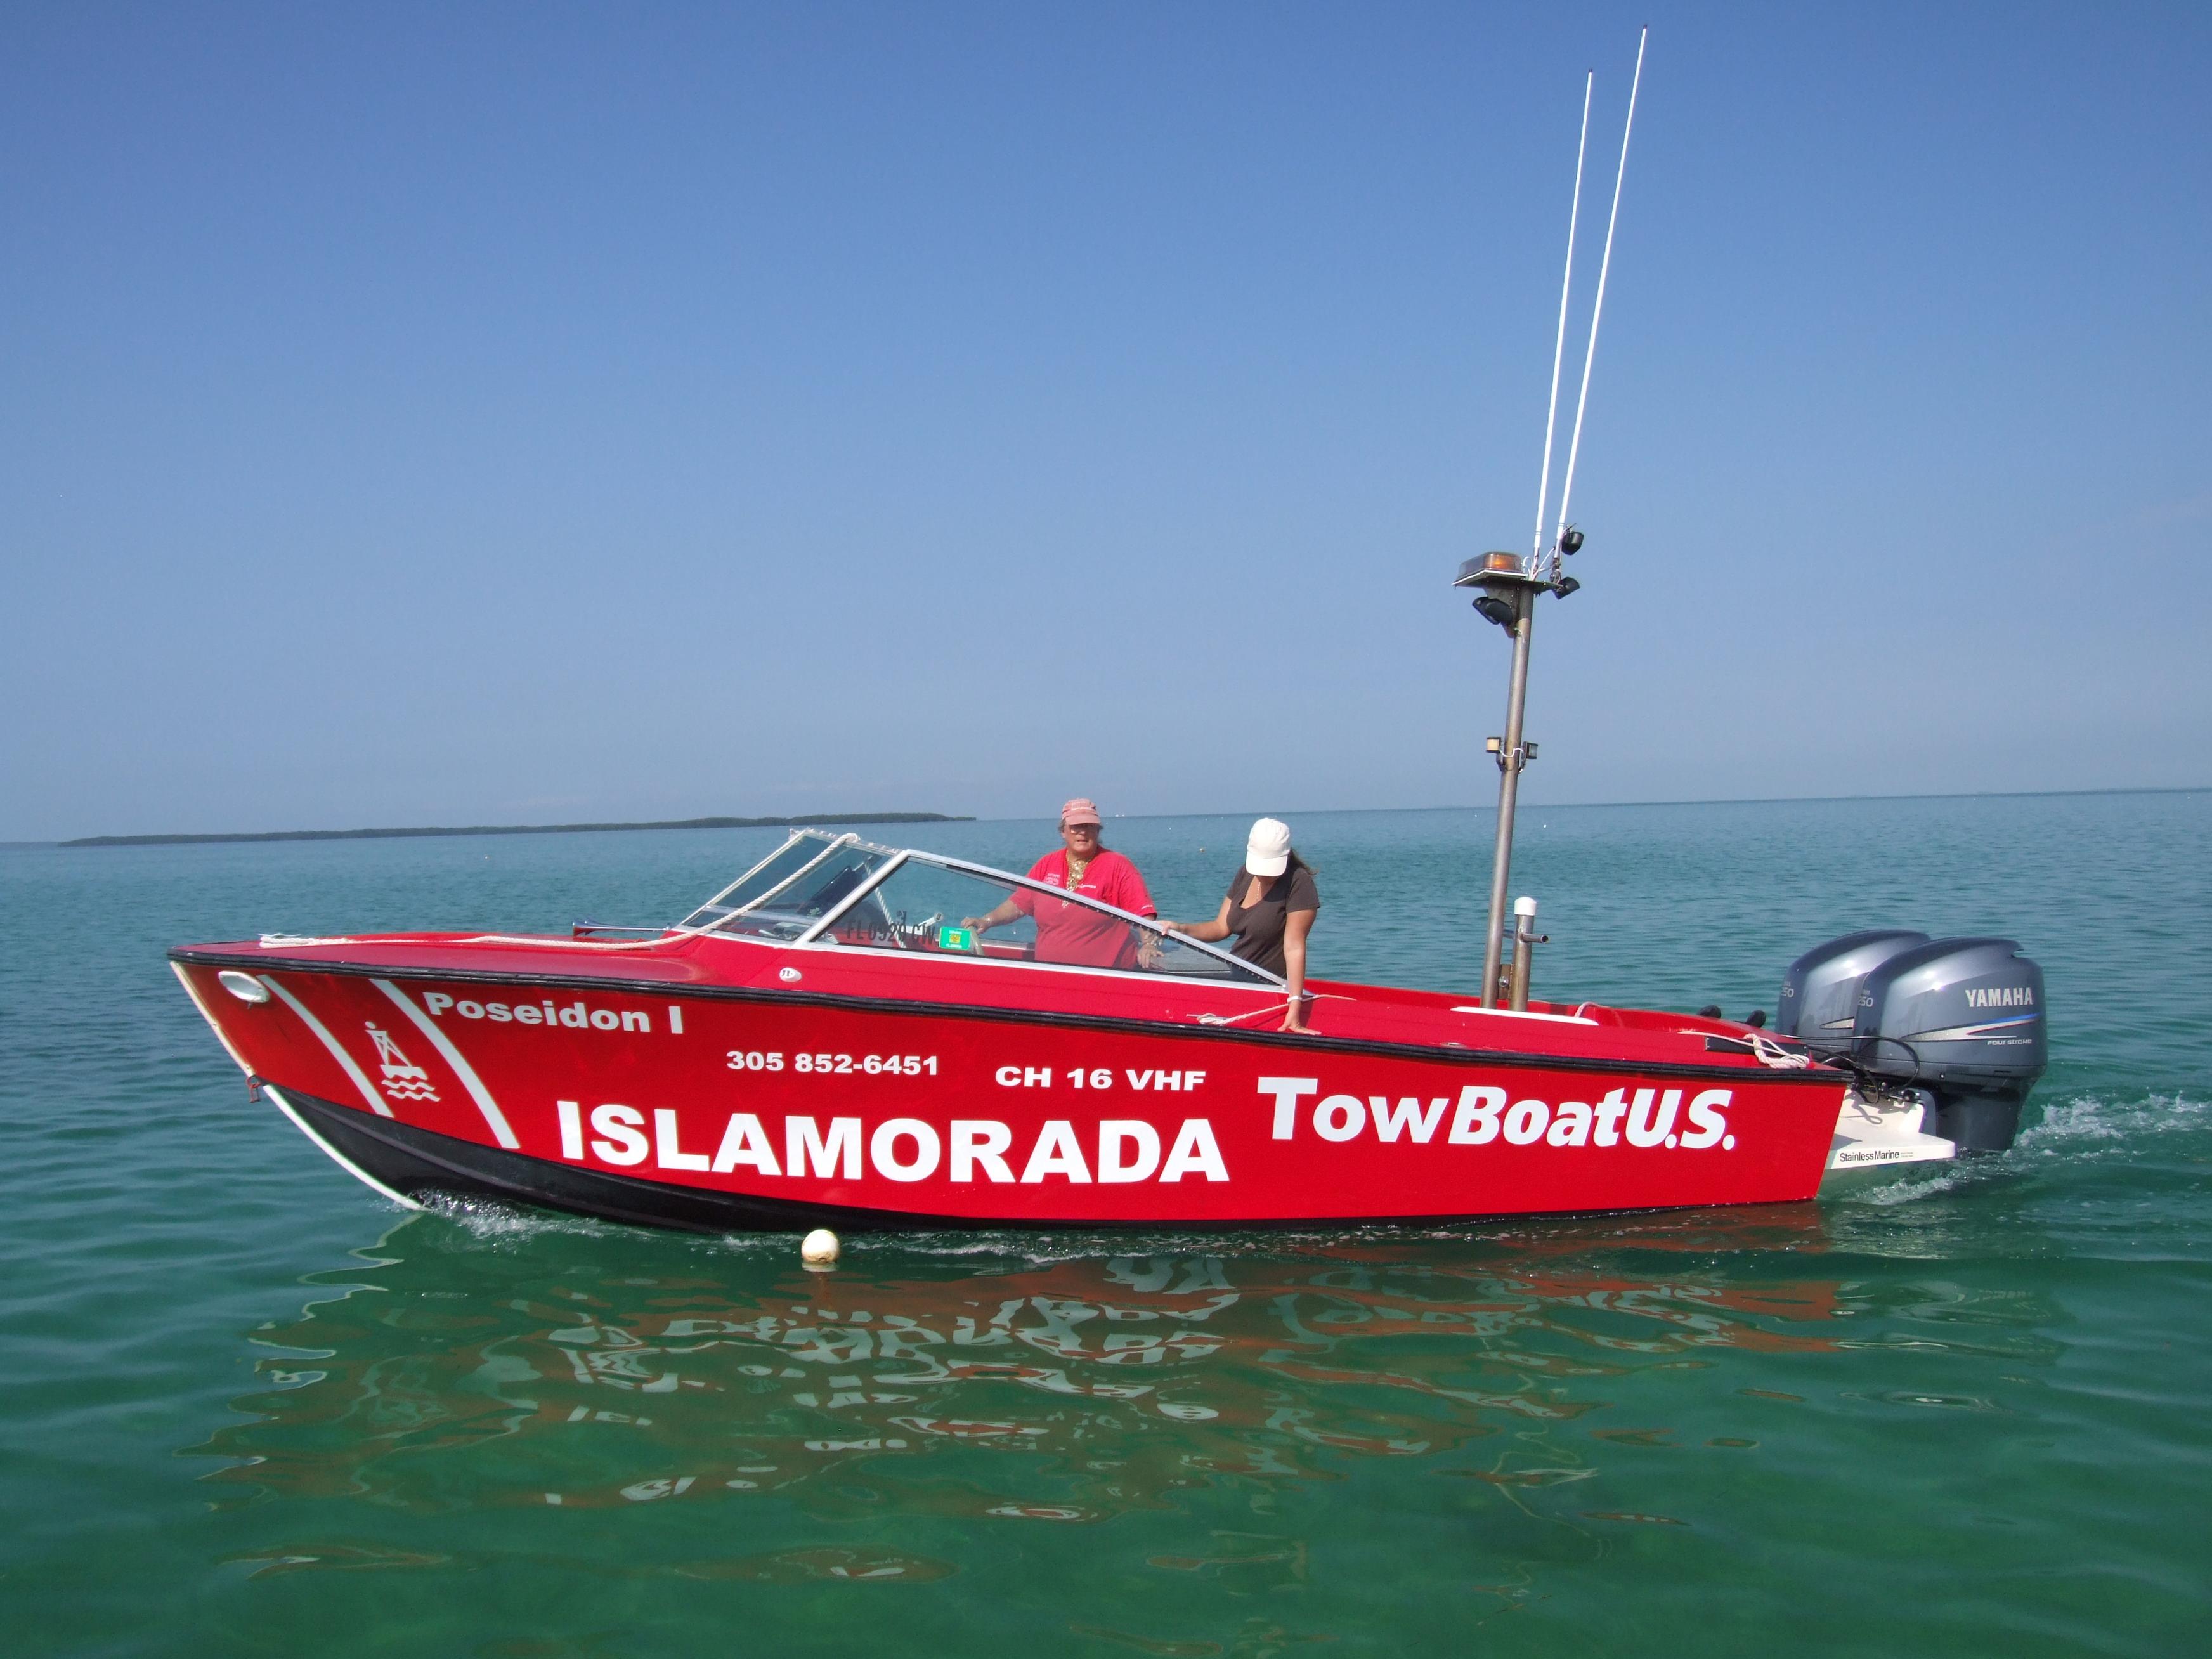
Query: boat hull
724,1109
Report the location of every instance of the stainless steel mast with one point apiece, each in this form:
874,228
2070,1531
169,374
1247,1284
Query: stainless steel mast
1512,757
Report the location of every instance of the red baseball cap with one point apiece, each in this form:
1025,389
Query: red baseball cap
1081,810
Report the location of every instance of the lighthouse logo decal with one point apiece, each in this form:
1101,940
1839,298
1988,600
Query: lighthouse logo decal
402,1080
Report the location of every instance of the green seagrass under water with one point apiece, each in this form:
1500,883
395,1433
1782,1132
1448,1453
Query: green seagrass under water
250,1408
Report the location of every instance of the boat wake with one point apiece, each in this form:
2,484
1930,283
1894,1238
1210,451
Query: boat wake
2084,1130
2075,1128
1912,1188
491,1222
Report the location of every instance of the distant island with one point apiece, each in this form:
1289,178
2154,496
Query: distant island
815,819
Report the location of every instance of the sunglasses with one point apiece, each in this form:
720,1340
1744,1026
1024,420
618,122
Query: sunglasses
1078,829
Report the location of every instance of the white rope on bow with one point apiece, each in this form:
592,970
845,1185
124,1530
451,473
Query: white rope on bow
558,944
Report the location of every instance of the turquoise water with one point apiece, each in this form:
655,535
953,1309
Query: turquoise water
246,1408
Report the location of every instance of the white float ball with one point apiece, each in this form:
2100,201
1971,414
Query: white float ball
818,1249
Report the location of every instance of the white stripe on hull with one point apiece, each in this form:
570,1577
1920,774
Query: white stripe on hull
368,1094
494,1118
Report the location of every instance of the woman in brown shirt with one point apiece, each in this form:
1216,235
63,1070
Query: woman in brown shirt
1270,907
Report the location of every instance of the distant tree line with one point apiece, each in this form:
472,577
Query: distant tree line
808,819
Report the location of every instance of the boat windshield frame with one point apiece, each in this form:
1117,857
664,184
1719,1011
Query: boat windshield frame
896,859
692,922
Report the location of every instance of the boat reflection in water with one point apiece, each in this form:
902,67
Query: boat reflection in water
600,1369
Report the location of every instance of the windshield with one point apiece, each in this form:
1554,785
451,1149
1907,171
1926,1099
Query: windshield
842,890
948,909
791,889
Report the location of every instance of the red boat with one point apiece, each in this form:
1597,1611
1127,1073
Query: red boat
823,1042
821,1045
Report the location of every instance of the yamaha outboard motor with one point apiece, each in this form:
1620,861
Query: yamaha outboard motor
1820,1004
1961,1018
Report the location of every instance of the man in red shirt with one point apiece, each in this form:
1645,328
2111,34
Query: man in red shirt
1075,934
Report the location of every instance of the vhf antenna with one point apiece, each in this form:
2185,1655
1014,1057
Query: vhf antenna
1509,584
1604,269
1559,345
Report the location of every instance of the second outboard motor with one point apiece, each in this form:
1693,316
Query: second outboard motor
1963,1019
1820,1004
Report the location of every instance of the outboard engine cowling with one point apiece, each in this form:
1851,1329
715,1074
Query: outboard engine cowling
1963,1019
1820,1004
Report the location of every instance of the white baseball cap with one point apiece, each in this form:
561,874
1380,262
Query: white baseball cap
1268,849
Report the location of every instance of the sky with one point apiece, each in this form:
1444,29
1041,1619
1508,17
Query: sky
419,414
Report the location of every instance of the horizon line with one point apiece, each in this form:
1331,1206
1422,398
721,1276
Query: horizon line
1729,800
184,839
